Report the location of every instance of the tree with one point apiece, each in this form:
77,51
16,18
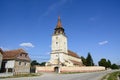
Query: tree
83,60
109,63
42,63
114,66
103,62
119,66
34,62
89,60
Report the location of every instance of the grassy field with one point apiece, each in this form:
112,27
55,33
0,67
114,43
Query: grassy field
22,75
112,76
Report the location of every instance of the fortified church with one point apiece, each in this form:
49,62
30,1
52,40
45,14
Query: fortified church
60,55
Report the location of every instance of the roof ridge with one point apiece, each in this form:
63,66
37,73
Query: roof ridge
73,54
19,49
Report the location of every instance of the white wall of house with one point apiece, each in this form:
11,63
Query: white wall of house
10,64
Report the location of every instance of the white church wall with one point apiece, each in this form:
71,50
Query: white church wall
59,43
61,56
63,43
54,56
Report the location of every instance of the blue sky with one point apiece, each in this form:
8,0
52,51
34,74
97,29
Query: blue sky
90,25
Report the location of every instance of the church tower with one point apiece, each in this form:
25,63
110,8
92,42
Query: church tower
59,39
60,55
59,45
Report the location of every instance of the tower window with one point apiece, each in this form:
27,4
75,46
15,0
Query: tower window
56,42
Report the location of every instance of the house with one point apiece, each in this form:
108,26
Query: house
16,61
60,55
1,56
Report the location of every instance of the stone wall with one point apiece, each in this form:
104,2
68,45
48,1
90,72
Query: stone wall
44,69
21,67
82,69
70,69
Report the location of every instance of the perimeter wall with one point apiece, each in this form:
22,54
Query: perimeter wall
70,69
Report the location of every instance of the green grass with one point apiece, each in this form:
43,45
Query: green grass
111,76
22,75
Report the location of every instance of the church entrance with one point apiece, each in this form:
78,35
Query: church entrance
56,69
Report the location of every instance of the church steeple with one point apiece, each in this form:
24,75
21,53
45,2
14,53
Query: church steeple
59,29
59,25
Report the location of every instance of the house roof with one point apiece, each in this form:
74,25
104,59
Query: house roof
14,54
71,53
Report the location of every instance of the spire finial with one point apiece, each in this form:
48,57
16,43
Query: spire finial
59,23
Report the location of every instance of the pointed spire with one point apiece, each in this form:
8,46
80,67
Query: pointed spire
59,29
59,25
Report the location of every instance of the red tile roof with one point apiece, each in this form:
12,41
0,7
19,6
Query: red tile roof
71,53
14,54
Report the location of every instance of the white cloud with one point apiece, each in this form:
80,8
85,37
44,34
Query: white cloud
103,42
27,45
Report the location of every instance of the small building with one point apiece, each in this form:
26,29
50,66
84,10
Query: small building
60,55
16,61
1,57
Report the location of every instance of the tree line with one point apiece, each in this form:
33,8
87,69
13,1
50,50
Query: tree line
34,63
88,61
